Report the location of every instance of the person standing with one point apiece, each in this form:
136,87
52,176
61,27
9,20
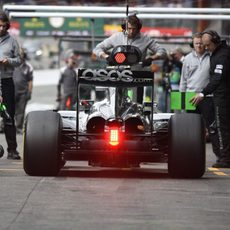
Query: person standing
133,37
67,80
23,81
9,59
194,78
219,85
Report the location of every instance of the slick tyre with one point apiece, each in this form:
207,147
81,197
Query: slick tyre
42,138
186,146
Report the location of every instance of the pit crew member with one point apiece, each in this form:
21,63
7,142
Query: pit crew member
219,85
133,37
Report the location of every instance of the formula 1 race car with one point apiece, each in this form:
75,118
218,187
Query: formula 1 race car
117,127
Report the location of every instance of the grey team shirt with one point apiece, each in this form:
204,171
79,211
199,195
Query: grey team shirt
9,49
195,72
22,76
142,41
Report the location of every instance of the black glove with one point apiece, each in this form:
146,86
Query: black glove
147,62
5,115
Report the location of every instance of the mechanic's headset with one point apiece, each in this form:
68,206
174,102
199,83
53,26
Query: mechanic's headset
133,20
196,35
5,19
215,37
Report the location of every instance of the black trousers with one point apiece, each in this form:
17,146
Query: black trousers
20,107
223,129
9,102
207,110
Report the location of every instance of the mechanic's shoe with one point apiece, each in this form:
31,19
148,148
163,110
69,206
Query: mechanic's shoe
1,151
13,155
221,165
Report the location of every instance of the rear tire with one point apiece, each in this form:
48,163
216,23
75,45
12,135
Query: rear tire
42,143
186,146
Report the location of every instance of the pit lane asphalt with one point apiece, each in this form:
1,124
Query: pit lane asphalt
84,198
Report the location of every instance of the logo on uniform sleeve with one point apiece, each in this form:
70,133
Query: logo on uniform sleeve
218,69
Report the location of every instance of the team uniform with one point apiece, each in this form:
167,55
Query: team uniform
9,48
142,41
220,87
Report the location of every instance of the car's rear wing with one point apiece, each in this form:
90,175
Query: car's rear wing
115,77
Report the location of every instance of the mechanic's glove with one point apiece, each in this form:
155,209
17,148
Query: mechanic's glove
5,115
28,96
147,62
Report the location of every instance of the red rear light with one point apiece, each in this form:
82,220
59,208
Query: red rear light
120,57
114,137
114,131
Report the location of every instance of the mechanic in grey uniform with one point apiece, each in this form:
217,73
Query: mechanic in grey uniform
9,59
219,85
135,38
194,77
23,81
68,80
149,48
